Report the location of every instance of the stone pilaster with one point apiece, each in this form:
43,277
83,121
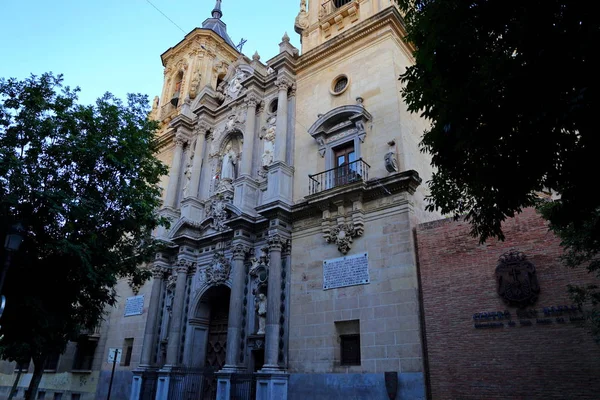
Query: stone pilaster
234,327
174,172
197,163
276,243
150,330
182,268
251,103
283,85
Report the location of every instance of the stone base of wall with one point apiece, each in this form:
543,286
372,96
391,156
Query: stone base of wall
121,385
353,386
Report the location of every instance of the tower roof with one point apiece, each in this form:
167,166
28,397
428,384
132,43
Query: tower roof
216,25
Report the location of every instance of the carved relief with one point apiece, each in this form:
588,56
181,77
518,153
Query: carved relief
218,213
301,22
516,279
218,271
234,88
341,230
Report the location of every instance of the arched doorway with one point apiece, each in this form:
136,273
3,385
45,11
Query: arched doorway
217,298
208,336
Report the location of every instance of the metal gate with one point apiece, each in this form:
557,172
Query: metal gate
243,387
193,384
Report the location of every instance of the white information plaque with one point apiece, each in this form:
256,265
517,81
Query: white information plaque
346,271
134,305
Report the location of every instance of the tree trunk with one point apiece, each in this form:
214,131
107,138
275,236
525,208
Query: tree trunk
38,371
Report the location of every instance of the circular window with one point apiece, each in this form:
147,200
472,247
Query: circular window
273,106
339,85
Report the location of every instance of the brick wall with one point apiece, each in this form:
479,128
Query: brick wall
554,361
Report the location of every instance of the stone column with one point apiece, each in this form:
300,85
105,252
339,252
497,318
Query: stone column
248,147
273,301
151,329
234,327
174,172
281,128
197,163
177,316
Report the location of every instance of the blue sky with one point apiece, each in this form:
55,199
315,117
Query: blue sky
115,45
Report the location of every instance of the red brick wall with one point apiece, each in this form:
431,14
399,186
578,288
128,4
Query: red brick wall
556,361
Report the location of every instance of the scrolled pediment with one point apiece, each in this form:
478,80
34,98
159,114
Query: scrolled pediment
339,119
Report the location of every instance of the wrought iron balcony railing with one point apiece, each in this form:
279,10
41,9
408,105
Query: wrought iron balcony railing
343,175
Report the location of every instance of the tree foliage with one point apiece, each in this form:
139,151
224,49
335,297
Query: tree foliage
83,180
511,91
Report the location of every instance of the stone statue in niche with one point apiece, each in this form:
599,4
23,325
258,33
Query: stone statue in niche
261,311
268,137
229,163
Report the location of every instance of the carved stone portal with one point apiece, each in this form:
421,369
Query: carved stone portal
516,278
218,271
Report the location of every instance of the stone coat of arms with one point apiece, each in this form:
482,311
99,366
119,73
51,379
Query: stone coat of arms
516,279
218,270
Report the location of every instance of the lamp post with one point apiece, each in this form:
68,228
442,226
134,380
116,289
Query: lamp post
11,244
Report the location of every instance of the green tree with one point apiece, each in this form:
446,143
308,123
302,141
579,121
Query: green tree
511,91
83,180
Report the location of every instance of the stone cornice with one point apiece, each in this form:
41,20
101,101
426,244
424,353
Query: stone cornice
195,34
389,17
406,181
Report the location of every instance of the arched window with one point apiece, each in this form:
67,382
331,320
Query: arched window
177,89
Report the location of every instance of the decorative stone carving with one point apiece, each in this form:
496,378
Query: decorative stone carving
184,265
179,140
218,213
283,84
341,235
275,242
195,84
172,281
301,22
218,271
341,229
230,159
260,306
239,251
517,280
188,171
234,87
268,137
390,160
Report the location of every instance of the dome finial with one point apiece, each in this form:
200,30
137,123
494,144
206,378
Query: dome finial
216,12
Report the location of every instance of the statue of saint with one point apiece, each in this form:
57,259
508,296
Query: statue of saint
261,311
229,163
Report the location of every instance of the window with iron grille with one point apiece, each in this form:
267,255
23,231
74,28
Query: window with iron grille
350,349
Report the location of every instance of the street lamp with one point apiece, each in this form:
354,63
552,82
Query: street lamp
11,244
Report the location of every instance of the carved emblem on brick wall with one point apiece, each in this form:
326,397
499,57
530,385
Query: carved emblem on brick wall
516,279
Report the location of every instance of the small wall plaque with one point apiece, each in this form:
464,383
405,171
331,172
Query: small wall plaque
134,305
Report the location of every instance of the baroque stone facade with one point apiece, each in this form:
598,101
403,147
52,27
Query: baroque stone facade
277,172
280,174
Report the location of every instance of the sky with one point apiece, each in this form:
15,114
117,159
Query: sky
115,45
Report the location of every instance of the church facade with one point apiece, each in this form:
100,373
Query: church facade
293,189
